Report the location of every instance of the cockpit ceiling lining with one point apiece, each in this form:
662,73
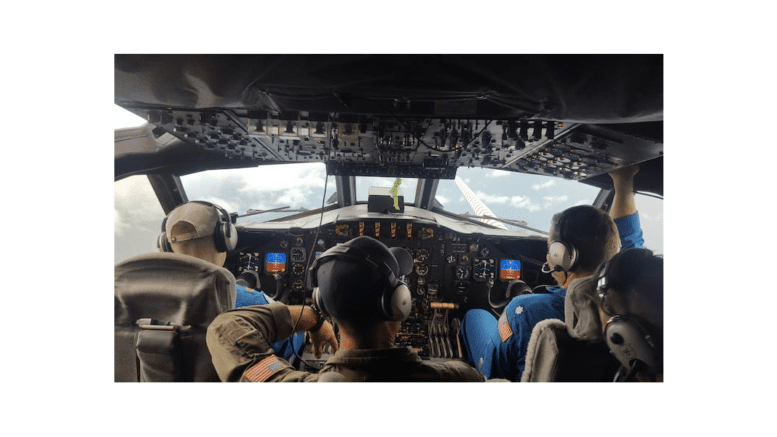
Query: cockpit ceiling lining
568,88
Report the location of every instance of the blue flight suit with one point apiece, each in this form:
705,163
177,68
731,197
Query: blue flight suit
497,347
284,348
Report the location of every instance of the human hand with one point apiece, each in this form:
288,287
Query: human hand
324,336
624,174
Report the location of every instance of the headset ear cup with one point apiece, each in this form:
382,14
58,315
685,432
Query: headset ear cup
163,244
627,341
562,256
316,297
231,241
224,243
397,304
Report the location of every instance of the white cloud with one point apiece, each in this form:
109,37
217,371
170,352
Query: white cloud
525,203
543,185
497,174
442,199
134,201
118,225
264,187
549,201
137,217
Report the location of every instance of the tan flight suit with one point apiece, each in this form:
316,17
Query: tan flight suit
239,339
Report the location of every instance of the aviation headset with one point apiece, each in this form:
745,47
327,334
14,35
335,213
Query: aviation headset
224,235
626,335
562,253
393,300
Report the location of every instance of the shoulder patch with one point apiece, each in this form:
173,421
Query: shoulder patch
505,331
264,369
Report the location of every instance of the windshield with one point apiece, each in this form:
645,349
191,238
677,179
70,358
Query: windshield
529,199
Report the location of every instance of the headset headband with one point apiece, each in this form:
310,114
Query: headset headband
354,254
223,214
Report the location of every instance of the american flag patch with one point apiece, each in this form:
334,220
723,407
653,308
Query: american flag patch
505,331
264,369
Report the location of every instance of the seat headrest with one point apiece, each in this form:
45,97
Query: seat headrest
581,310
173,288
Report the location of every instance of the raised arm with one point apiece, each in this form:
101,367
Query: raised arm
623,179
624,208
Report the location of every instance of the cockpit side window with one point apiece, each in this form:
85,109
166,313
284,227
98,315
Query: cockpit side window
137,217
267,187
651,218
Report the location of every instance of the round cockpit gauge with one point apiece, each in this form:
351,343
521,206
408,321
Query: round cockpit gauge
298,269
483,269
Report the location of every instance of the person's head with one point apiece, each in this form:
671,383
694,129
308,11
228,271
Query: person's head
199,229
580,238
357,284
630,287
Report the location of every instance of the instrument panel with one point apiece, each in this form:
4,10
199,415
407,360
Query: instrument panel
452,273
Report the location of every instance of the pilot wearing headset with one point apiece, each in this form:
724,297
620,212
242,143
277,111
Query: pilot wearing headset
204,230
630,292
581,237
358,285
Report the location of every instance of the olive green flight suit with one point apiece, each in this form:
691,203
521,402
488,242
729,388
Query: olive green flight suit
239,339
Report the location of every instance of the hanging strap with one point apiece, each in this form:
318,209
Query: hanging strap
158,352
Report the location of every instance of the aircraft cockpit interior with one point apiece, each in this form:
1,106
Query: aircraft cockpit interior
422,124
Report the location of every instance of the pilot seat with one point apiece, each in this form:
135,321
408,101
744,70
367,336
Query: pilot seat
163,305
571,351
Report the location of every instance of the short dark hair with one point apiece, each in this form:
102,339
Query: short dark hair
591,231
636,285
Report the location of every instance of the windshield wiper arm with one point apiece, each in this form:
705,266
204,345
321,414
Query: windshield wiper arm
509,222
260,211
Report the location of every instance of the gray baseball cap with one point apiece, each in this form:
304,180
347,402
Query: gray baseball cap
202,218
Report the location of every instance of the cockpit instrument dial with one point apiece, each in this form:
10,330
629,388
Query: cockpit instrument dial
483,269
462,272
298,269
298,255
249,261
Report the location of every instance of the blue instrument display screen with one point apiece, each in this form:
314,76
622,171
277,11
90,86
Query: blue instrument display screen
275,262
509,269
